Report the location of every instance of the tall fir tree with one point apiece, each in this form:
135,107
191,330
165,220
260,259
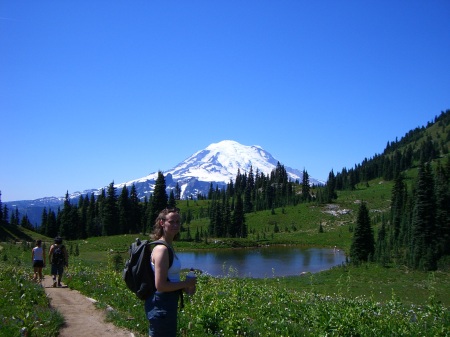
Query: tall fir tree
5,214
135,210
52,224
177,192
398,228
363,243
382,247
91,222
331,187
67,227
443,207
238,225
110,213
171,203
83,204
305,186
159,198
44,222
423,237
124,211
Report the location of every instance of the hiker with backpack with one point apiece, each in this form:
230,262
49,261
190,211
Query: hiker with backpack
161,306
59,259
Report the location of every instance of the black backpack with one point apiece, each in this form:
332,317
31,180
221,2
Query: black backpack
58,256
138,273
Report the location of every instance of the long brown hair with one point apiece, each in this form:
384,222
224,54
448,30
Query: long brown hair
158,230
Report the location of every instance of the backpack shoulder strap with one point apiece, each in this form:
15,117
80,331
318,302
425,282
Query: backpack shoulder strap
161,242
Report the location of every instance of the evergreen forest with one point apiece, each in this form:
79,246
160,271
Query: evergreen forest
413,231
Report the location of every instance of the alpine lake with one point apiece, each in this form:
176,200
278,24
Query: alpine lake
273,261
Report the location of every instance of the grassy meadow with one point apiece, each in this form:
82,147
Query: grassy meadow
368,300
24,307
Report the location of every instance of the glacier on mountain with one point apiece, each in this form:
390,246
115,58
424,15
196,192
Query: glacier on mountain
217,164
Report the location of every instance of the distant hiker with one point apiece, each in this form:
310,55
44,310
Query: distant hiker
38,260
58,258
161,308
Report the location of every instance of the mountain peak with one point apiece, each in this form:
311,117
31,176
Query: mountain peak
217,164
221,161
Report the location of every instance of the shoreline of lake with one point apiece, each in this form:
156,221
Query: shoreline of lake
261,262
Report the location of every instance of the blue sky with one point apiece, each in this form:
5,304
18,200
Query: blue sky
98,91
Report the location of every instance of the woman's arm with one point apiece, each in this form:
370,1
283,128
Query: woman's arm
160,258
50,252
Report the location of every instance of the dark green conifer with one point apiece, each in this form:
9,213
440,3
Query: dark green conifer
423,236
363,245
124,211
110,212
159,198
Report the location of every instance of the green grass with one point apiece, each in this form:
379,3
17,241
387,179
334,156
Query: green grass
368,300
24,307
376,282
231,306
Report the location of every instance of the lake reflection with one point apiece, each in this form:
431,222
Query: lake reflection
262,262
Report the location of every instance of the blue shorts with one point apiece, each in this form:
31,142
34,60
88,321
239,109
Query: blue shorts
57,269
161,310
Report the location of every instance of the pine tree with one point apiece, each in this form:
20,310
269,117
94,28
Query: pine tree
135,211
305,186
171,203
381,248
159,198
5,214
44,222
67,226
15,217
110,212
238,226
52,225
331,187
443,207
177,192
91,218
423,236
248,205
226,214
99,205
397,233
363,244
25,223
83,204
124,211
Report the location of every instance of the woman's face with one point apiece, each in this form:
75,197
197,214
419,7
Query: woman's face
172,223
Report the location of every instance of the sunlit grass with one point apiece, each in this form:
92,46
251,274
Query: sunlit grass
24,307
366,301
230,306
369,300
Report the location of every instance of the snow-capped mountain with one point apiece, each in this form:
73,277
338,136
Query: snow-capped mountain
216,164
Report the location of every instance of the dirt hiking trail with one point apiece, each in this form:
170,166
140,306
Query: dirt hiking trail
81,316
